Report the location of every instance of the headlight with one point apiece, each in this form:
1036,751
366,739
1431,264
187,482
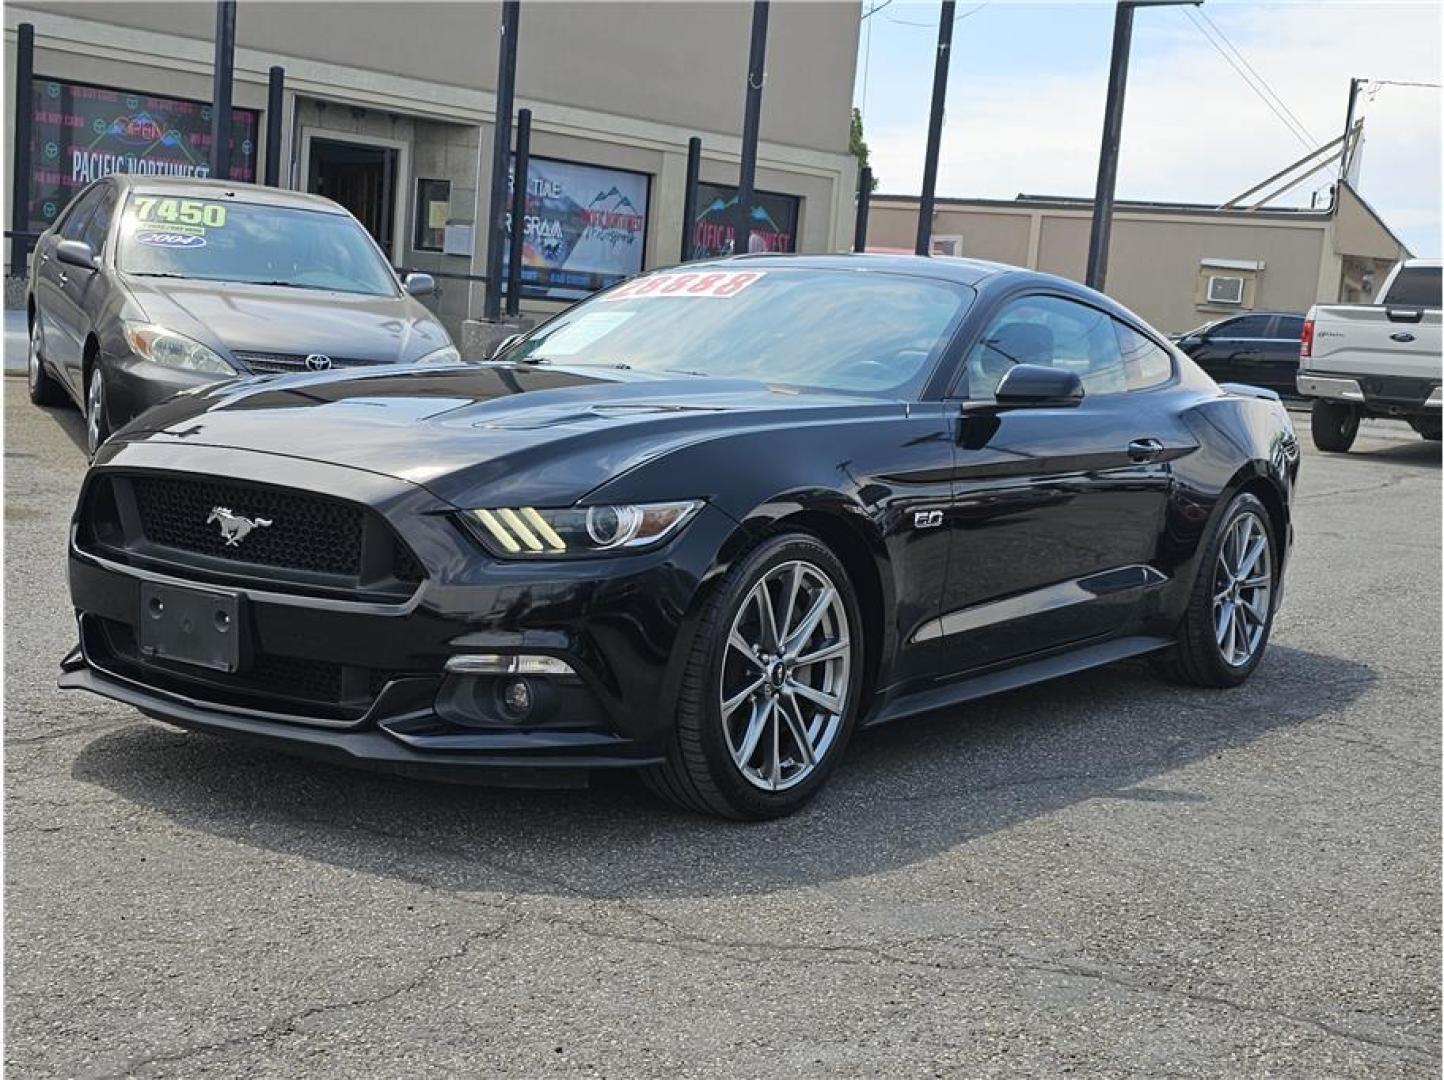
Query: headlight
162,346
528,532
447,354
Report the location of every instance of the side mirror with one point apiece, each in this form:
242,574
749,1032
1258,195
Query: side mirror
420,284
1038,386
506,343
76,253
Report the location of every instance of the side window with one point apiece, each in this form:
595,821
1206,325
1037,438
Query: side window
1249,326
1145,364
1051,331
76,218
1289,327
98,227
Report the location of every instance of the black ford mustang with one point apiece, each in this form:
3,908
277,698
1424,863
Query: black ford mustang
704,525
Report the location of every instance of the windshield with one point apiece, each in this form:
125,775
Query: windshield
863,332
223,240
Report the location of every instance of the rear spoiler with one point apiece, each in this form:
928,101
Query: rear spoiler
1244,390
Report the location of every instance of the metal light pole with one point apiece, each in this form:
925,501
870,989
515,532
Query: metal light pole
275,95
864,202
751,123
521,163
500,151
689,197
1098,235
223,75
935,128
1345,151
20,155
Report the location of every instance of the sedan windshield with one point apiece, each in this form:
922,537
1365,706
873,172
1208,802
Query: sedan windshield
222,240
848,330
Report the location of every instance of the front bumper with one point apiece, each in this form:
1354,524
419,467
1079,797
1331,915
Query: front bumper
133,385
620,624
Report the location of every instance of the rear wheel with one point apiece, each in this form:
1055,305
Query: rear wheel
1230,613
44,390
1427,426
1334,425
770,692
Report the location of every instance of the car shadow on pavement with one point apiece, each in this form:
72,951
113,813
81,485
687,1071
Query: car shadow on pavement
1416,451
904,793
67,418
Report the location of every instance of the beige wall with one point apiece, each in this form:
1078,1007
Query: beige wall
1155,259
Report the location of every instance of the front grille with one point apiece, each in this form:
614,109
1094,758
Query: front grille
268,363
301,531
283,535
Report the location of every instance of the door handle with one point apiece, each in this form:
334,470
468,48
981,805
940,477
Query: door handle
63,278
1142,450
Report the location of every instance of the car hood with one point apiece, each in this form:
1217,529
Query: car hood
229,316
492,434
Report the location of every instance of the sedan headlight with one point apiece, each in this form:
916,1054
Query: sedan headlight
529,532
162,346
447,354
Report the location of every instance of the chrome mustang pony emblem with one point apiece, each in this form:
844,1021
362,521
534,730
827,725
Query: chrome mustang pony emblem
235,527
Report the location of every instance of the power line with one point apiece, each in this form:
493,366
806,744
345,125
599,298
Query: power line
1398,82
870,12
931,25
1308,142
1244,60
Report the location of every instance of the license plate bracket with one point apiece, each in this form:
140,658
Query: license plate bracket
201,627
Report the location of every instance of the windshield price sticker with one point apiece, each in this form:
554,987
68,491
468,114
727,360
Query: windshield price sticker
180,215
718,284
156,238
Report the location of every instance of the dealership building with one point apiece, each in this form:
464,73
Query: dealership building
388,109
1178,265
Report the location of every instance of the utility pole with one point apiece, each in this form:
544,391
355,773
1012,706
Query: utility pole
935,128
223,73
1102,228
1346,152
751,125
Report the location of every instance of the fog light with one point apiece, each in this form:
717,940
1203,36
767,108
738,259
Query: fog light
516,697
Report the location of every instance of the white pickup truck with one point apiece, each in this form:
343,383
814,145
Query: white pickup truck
1379,359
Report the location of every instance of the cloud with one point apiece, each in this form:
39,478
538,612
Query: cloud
1193,131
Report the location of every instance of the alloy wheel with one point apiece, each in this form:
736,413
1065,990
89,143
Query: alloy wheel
95,411
1242,589
785,675
32,367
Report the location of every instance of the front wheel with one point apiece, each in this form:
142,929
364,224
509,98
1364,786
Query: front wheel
771,688
1334,425
1230,613
97,427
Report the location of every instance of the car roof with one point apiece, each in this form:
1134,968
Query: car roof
194,187
965,271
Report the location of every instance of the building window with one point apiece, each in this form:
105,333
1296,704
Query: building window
433,208
774,221
83,132
585,228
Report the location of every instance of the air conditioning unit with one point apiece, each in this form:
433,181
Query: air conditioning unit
950,246
1225,290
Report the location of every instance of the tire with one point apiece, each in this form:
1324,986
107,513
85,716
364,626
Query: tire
44,390
97,425
1334,426
1200,656
709,767
1428,427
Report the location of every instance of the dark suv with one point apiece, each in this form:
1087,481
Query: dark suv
1260,349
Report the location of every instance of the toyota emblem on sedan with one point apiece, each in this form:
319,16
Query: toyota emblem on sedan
318,362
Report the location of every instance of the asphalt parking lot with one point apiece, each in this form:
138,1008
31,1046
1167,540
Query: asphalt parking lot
1105,876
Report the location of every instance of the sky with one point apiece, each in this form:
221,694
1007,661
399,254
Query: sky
1027,83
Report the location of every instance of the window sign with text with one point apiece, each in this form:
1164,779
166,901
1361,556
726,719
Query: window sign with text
774,221
84,132
585,228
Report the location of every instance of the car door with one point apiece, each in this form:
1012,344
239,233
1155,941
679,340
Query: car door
1280,364
1234,349
58,319
1057,511
83,292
